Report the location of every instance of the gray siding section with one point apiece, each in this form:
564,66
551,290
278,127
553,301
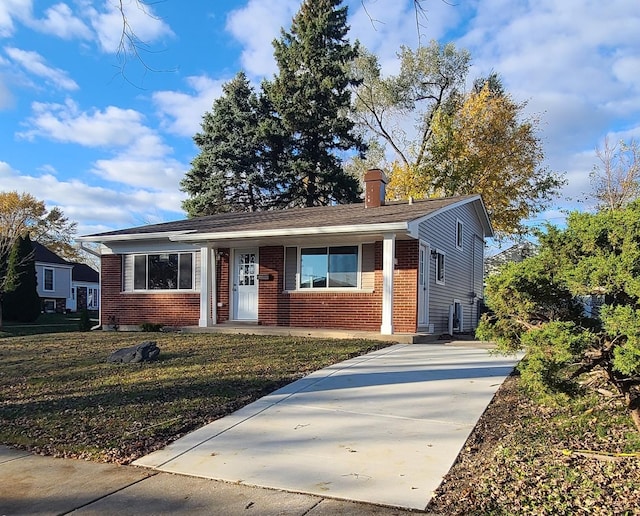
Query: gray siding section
61,281
463,266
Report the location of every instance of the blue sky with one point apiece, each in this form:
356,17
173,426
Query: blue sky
108,139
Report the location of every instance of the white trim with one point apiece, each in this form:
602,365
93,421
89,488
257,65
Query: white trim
44,279
287,232
388,266
132,236
233,292
207,279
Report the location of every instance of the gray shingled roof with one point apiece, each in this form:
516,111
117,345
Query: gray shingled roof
44,255
323,216
83,272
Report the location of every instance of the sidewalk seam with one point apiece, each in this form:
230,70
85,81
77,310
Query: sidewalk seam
109,494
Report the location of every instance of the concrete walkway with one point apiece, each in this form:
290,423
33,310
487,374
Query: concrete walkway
383,428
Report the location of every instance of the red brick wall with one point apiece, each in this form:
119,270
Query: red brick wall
125,308
347,310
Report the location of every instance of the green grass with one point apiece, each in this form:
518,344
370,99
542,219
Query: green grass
59,396
46,323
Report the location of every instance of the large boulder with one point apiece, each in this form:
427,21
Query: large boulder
145,352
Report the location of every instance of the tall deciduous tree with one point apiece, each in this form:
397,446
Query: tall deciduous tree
462,143
485,146
616,179
21,301
23,214
229,173
310,98
399,109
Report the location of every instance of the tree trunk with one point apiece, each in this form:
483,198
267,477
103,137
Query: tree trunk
634,409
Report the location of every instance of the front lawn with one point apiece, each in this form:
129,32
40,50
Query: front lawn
46,323
59,396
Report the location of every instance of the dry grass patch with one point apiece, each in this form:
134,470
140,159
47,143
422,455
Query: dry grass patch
58,396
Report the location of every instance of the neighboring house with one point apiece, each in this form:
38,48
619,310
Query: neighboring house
85,288
514,254
396,268
54,279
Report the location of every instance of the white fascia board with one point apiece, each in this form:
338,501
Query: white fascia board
50,265
133,236
293,232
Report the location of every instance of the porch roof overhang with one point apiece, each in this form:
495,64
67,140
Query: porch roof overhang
357,233
291,236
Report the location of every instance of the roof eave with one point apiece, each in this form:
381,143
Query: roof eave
132,236
388,227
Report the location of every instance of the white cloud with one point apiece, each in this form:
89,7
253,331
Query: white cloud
35,64
142,25
151,174
60,21
181,112
6,97
255,26
96,208
11,10
140,156
111,127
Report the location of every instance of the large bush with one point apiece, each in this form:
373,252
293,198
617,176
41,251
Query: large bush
21,301
539,305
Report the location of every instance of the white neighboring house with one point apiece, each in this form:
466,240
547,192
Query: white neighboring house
54,279
85,288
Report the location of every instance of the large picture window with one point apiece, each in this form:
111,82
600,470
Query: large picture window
164,271
329,267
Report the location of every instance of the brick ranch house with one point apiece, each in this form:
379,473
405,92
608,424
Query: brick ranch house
400,267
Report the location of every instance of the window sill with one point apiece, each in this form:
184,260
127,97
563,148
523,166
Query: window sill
158,291
330,291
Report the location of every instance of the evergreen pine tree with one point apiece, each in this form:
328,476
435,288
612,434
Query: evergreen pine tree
21,301
227,175
310,98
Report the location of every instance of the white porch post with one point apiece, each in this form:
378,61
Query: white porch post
388,265
208,293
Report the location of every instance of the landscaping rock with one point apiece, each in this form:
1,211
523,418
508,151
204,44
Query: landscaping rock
145,352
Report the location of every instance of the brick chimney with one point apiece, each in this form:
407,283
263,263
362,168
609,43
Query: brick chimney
374,182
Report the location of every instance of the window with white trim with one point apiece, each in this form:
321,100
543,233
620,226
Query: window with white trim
48,280
163,271
329,267
440,266
92,298
459,233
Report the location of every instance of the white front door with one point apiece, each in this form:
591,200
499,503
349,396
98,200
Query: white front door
423,285
245,285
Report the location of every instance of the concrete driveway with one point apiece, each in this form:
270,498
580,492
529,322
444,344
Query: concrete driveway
382,428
